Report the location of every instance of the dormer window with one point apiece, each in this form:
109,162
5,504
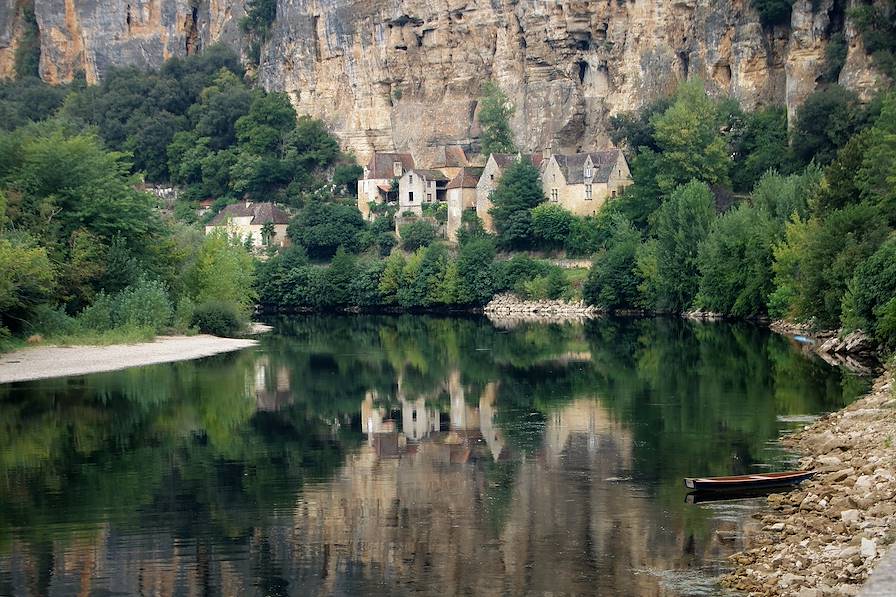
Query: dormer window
397,170
588,171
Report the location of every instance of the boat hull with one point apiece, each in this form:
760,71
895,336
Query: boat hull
746,482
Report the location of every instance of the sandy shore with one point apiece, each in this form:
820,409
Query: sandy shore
824,538
56,361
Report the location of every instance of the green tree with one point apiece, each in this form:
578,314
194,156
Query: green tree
824,123
761,146
872,287
391,281
613,280
551,225
223,271
341,278
682,223
475,267
495,111
773,12
518,191
27,280
321,228
691,145
782,197
736,263
417,234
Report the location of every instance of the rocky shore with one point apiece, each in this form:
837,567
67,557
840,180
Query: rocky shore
824,538
509,307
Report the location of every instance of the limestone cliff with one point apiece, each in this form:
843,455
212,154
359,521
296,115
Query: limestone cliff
406,73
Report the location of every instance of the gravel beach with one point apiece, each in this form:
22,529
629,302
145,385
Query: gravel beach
56,361
824,538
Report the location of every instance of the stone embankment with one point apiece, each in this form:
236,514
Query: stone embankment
856,350
509,307
824,538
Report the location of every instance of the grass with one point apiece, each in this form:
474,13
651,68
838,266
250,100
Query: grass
124,335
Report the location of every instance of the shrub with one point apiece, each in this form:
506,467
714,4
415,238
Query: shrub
145,304
416,235
551,225
872,288
217,318
613,281
773,12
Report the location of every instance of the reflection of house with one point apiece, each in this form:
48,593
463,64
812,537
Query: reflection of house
272,389
583,182
376,185
488,181
419,187
264,223
461,197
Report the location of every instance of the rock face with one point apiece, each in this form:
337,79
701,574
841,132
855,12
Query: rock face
404,74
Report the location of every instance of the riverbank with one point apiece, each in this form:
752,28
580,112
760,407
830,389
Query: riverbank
43,362
509,308
825,537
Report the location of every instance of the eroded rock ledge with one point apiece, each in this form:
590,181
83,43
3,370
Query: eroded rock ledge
825,537
511,308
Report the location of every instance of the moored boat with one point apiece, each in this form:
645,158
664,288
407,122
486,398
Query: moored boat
741,482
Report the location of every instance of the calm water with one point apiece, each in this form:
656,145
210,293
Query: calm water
398,456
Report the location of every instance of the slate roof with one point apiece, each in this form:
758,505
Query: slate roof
467,178
505,159
435,175
380,165
262,213
573,166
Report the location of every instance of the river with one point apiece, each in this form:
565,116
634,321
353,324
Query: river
404,455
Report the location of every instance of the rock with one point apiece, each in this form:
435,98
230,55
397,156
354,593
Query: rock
869,548
864,483
850,516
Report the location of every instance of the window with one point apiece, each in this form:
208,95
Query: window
411,178
429,197
410,196
554,195
397,169
613,194
492,176
587,192
588,171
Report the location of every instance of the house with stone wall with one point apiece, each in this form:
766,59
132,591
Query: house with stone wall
376,184
461,197
419,187
583,182
488,181
253,221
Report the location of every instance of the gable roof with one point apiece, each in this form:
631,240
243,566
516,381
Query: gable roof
435,175
381,164
261,213
467,178
505,159
573,165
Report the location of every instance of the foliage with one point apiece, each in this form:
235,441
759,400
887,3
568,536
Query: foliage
877,23
28,100
495,112
773,12
223,271
144,305
474,268
218,318
27,56
518,191
871,289
27,279
691,146
634,130
736,263
783,197
417,234
824,123
551,225
321,228
682,223
761,146
613,281
345,179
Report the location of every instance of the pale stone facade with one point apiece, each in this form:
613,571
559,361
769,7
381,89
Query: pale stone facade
380,171
419,187
461,197
247,220
582,183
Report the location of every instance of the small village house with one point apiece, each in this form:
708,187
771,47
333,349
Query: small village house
583,182
419,187
461,196
263,223
380,171
447,159
488,181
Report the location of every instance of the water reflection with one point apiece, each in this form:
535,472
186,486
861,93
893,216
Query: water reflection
401,455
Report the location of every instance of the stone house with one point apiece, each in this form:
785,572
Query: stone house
583,182
488,181
461,196
248,220
419,187
447,159
376,184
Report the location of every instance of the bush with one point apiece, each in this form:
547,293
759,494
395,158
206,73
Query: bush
613,281
773,12
513,273
872,288
144,305
416,235
217,318
551,225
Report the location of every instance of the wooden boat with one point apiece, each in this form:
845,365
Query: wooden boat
741,482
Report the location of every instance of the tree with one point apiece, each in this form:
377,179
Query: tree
773,12
761,146
416,235
736,263
871,290
518,191
391,281
223,271
682,223
876,178
782,197
634,131
345,179
264,129
551,225
341,278
474,267
824,123
494,117
322,227
27,280
613,280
